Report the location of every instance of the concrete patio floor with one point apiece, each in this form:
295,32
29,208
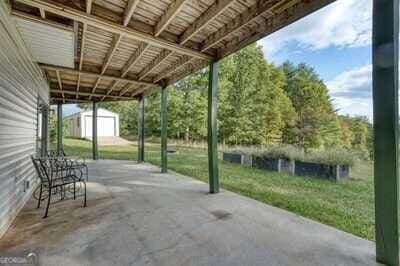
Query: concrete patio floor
138,216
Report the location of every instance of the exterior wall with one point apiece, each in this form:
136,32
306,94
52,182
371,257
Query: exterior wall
80,132
21,84
74,128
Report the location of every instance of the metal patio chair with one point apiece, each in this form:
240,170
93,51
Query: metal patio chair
56,176
77,163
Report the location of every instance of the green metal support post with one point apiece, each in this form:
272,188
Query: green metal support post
164,127
385,49
212,128
45,130
95,149
59,129
141,129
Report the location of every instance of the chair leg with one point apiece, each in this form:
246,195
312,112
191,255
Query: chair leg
74,190
84,203
48,203
40,196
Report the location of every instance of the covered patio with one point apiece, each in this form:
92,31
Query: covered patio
138,216
89,51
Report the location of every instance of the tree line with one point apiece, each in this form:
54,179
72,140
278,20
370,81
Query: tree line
258,104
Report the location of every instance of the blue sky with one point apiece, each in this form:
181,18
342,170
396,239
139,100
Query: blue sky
336,42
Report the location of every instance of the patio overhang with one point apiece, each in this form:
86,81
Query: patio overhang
128,48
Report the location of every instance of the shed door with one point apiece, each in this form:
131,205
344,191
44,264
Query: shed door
105,126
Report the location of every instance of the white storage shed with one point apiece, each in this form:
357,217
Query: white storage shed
80,124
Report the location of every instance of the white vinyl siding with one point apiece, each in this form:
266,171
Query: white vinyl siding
21,84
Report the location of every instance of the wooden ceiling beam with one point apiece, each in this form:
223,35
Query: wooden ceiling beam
250,15
78,83
114,45
82,93
139,91
134,58
127,88
83,40
212,12
68,100
42,13
115,83
75,14
129,10
60,83
89,6
172,11
182,62
275,23
155,63
96,75
95,87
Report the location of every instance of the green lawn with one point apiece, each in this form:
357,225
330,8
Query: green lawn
348,205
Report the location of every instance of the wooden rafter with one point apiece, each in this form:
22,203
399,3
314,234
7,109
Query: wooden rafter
156,62
78,83
214,11
114,45
96,75
89,6
172,11
42,13
115,28
129,10
134,58
182,62
139,91
250,15
83,40
127,88
66,100
275,23
95,87
82,93
115,83
60,83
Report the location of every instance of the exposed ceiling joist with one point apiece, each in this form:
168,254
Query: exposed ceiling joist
214,11
129,10
275,23
155,63
78,83
67,100
42,13
115,83
182,62
250,15
83,40
114,45
113,27
127,88
134,58
96,75
89,6
60,83
82,93
173,10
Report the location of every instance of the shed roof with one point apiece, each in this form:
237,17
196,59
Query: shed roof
125,48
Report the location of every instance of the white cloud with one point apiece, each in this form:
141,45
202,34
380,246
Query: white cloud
352,91
345,23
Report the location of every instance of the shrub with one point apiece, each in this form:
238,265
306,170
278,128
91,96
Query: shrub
289,152
331,157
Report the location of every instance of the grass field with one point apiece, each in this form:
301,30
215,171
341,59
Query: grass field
348,205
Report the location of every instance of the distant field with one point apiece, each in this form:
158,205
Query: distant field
348,205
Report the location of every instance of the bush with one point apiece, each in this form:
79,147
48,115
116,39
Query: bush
289,152
331,157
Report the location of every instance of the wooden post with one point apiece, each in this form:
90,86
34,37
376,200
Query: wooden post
212,128
59,129
141,129
164,128
385,49
94,133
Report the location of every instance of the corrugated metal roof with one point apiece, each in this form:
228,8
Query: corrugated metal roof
48,45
